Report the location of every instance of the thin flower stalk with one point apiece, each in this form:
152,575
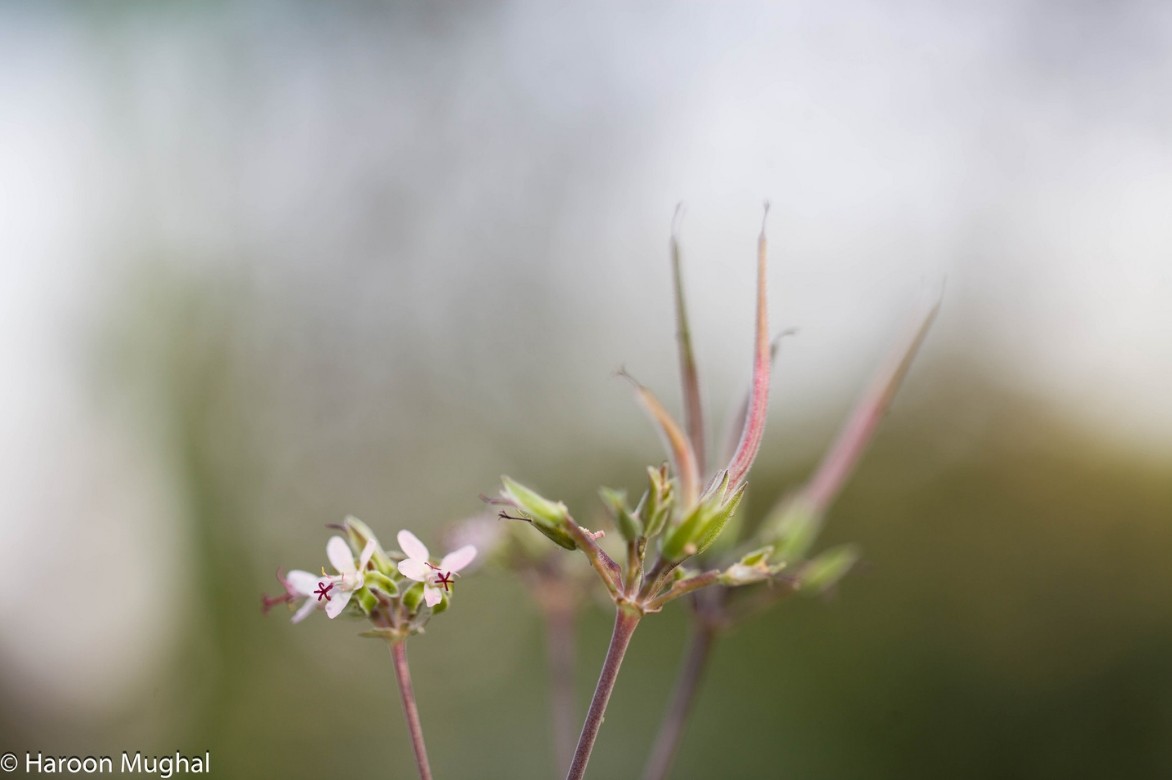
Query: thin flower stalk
625,623
410,709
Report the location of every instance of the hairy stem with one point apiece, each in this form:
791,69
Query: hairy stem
399,654
671,729
625,622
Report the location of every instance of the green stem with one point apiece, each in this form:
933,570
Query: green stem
625,622
399,654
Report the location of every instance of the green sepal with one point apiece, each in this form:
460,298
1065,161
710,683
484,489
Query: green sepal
675,546
722,548
752,567
758,556
655,508
616,501
557,535
376,579
717,522
826,569
547,516
413,597
535,505
367,601
442,606
389,634
740,574
703,524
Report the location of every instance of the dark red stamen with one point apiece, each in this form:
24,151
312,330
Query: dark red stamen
323,590
444,578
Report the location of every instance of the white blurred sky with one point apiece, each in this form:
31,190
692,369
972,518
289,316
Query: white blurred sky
1019,149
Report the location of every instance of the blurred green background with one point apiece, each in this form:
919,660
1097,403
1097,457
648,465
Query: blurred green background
264,265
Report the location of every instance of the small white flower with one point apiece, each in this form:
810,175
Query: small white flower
331,590
418,566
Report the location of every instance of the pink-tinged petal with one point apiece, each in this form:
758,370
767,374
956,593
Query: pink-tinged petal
454,561
680,449
411,546
432,596
754,430
414,569
340,555
338,601
309,606
302,583
367,552
840,460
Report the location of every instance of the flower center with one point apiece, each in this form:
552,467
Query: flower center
323,590
437,577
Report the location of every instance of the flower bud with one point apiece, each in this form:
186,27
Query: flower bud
628,525
704,523
655,508
358,534
546,516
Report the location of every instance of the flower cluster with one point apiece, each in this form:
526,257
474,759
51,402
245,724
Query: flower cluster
398,591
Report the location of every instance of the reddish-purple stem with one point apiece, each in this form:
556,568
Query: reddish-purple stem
625,623
410,710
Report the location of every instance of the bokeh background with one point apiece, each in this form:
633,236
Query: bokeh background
265,264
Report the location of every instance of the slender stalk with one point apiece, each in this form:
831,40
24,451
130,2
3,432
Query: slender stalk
559,634
625,622
671,729
684,587
399,654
